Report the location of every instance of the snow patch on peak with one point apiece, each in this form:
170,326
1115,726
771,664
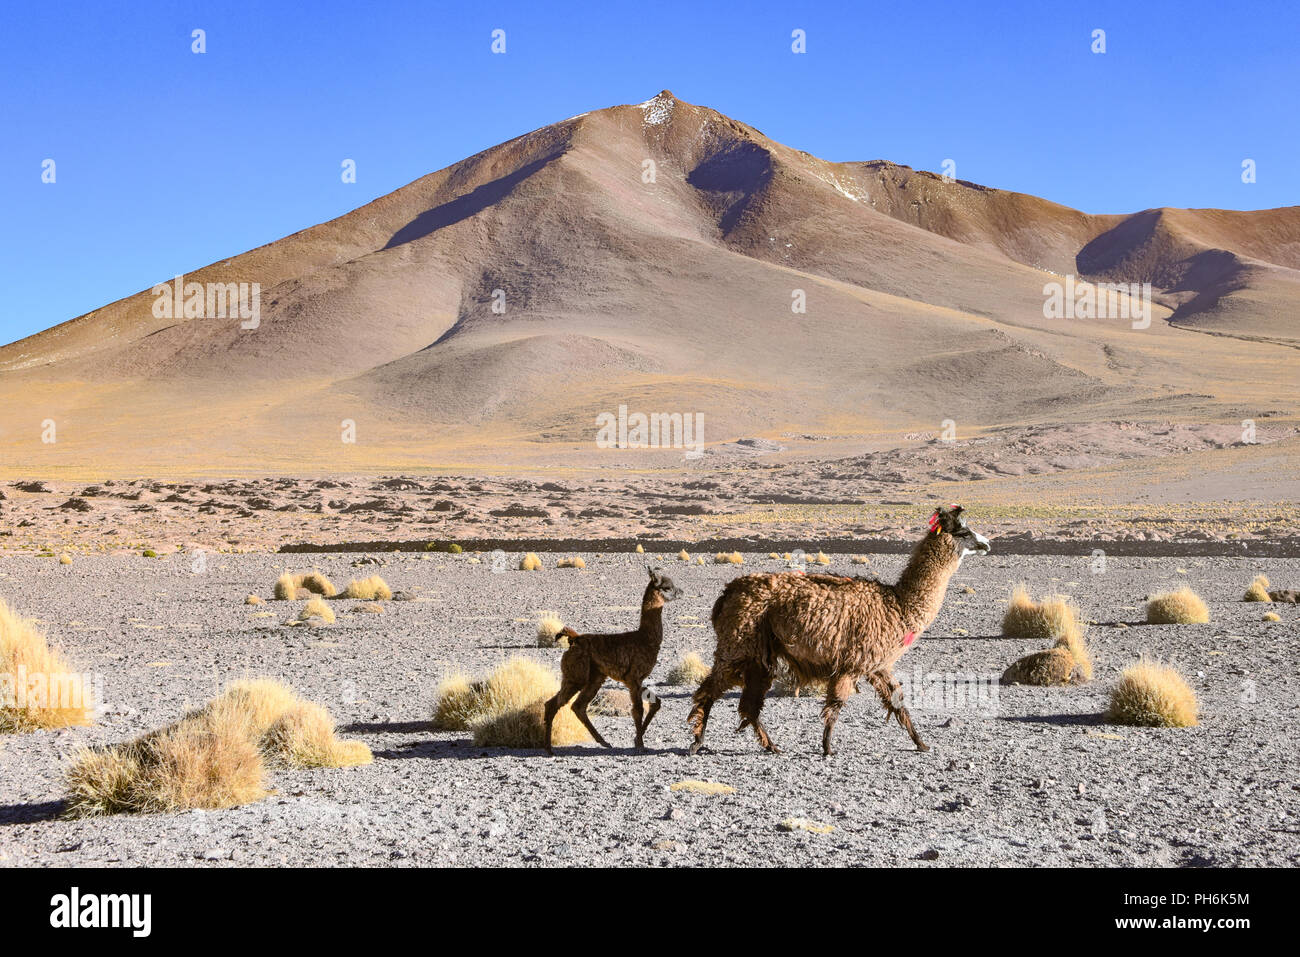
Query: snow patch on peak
658,110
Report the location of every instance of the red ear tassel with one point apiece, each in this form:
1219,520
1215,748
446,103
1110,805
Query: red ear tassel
934,522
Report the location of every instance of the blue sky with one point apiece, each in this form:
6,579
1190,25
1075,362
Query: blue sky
167,160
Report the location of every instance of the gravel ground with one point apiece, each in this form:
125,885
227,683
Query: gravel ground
1016,776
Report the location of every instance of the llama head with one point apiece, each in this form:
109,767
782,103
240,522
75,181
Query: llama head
663,585
948,520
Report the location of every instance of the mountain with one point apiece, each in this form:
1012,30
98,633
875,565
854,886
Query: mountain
491,311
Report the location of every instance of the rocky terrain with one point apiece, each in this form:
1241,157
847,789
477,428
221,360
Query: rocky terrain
1016,775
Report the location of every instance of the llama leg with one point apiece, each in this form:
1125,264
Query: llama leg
837,692
711,689
567,690
655,705
580,708
891,695
757,680
638,714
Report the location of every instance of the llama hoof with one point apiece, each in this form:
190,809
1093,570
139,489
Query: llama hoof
922,746
695,748
772,749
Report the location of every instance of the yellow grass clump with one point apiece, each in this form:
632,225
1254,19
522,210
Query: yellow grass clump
1054,617
214,757
530,563
773,555
722,558
639,549
506,710
1055,666
702,787
1258,590
316,608
253,600
454,705
785,684
1151,694
684,555
821,558
548,631
859,560
690,670
289,584
700,560
1077,646
1272,616
1180,607
37,688
373,588
65,559
575,562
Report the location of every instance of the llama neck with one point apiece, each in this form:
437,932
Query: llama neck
652,617
924,582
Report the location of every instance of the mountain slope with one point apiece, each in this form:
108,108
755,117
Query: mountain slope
513,297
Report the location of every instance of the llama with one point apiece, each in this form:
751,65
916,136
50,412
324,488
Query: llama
628,657
829,628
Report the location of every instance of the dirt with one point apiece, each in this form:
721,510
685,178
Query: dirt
1016,775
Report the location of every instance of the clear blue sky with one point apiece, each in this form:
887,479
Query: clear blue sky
167,160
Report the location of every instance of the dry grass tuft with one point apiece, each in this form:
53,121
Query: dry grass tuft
37,689
214,757
1050,668
722,558
1151,694
288,585
684,555
507,709
859,560
370,608
690,670
821,558
65,559
373,588
785,684
253,600
575,562
639,549
611,702
1180,607
548,631
1077,646
1258,590
700,560
316,608
1054,617
530,563
702,787
1271,616
455,702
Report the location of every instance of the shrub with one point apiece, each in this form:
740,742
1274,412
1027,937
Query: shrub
548,632
859,560
1054,617
1179,607
639,549
1271,616
211,758
288,585
65,559
1074,643
253,600
530,563
316,608
821,558
611,702
149,553
455,702
575,562
1258,590
690,670
369,608
508,710
786,684
454,549
373,588
26,654
684,555
1055,666
722,558
1151,694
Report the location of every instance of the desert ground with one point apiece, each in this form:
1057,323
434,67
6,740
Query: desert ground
1016,775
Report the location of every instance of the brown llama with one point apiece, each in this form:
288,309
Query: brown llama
628,657
829,628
